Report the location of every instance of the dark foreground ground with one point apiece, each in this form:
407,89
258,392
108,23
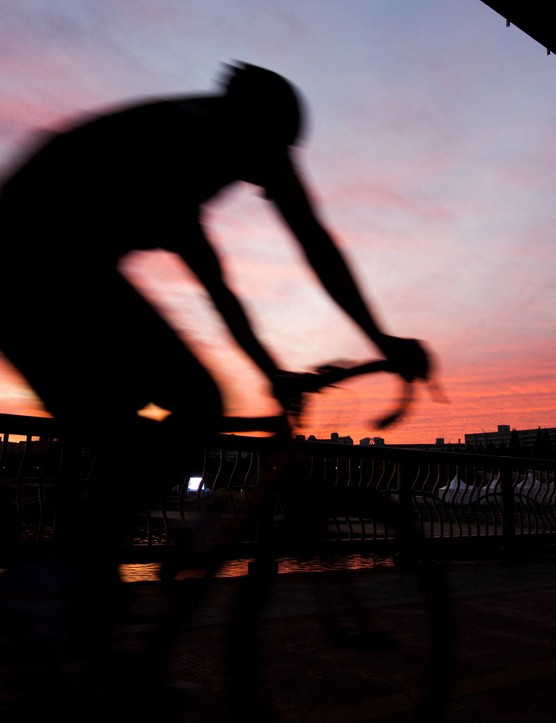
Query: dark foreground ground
297,661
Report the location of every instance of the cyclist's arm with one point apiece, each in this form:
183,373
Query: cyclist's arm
200,256
294,205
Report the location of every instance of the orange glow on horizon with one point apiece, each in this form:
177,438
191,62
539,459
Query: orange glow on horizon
474,405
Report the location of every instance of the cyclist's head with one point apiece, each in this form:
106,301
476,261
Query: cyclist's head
267,104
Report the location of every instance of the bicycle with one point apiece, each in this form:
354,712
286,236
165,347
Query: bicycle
280,471
136,679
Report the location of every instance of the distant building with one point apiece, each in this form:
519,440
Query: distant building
335,438
540,442
374,442
513,439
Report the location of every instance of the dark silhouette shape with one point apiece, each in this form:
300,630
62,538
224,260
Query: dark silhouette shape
137,178
93,348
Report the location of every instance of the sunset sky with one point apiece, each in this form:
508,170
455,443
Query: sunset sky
431,153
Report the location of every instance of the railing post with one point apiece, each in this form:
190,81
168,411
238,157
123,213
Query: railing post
508,510
406,552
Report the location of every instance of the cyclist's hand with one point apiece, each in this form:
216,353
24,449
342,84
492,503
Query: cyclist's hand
408,357
289,389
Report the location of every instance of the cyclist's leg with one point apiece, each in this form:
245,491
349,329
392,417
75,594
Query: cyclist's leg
103,354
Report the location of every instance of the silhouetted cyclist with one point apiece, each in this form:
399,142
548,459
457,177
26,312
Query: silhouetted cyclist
94,350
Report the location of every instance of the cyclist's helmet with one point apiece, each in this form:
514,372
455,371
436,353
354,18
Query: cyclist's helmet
269,103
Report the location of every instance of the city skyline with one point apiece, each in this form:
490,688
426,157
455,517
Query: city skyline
430,148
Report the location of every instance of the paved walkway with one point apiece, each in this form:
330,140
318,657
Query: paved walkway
504,648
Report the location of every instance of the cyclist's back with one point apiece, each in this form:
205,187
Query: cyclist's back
130,179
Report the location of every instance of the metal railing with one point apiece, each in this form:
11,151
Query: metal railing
461,503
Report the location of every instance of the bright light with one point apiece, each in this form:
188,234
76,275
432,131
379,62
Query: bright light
154,412
194,484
